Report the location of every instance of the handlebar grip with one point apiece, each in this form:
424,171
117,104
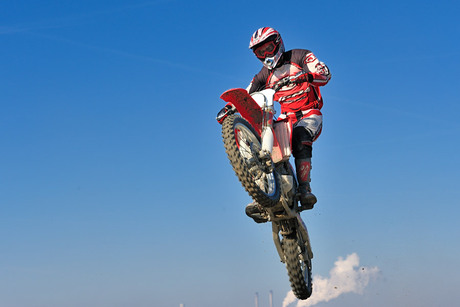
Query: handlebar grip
305,77
299,78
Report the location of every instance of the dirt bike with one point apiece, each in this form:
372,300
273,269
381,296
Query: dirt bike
259,147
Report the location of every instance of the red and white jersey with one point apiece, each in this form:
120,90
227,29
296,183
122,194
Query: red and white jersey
299,97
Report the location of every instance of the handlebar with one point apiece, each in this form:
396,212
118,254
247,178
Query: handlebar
301,77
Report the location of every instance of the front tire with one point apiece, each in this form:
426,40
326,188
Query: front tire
242,145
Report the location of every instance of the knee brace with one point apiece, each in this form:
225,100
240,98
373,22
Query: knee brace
301,143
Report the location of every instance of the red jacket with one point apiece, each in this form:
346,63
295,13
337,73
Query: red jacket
298,97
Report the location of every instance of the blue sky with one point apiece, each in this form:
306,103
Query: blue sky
115,189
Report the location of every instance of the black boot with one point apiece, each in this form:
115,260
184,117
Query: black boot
307,198
256,212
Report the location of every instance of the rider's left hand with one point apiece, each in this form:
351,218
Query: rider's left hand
302,77
224,112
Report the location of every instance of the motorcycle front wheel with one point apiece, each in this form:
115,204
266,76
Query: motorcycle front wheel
299,269
243,145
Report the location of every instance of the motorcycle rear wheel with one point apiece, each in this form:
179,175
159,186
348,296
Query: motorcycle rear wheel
242,145
299,269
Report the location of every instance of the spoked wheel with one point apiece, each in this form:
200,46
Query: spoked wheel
242,145
299,268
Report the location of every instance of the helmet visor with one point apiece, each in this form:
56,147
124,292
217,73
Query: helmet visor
266,50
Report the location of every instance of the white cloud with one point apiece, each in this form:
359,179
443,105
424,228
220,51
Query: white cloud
346,276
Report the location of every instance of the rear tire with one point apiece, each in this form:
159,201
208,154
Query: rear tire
242,145
299,269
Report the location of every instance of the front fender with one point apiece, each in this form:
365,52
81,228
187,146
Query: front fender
246,106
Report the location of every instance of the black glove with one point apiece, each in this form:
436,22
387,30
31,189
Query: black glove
228,109
303,77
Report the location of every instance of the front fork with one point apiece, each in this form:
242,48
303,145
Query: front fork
267,138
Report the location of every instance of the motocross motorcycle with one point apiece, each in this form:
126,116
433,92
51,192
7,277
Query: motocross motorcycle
259,147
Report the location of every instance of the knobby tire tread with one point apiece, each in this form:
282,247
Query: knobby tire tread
239,165
300,287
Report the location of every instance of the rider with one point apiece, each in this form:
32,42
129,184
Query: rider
301,101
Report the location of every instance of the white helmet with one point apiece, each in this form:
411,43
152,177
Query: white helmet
267,45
